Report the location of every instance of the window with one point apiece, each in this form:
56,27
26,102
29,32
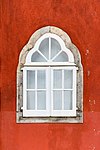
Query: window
50,88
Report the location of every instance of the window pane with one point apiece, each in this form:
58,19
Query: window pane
57,79
57,100
41,100
62,57
44,47
36,57
30,79
68,79
55,47
30,100
41,79
67,100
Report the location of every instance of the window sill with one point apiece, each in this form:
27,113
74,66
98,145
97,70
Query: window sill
77,119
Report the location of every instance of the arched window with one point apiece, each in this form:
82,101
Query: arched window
50,80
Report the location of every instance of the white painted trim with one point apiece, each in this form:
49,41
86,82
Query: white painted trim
60,41
56,55
49,93
33,113
36,89
42,55
62,89
48,79
33,64
49,48
65,112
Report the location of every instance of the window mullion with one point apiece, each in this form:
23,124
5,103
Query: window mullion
35,89
51,100
63,89
49,90
49,48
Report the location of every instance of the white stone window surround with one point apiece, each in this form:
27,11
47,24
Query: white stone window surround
70,48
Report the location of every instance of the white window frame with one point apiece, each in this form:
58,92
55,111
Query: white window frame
31,66
65,112
36,47
49,97
30,113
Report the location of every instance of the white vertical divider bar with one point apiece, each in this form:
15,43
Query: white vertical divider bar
74,90
51,73
35,89
48,91
24,91
49,49
62,89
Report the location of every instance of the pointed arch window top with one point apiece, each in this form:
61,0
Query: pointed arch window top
50,48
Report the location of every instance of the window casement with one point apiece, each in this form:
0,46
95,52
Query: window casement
50,83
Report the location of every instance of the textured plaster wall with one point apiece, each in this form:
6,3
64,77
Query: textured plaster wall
81,20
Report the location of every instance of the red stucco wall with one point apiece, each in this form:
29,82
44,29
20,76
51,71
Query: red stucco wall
81,20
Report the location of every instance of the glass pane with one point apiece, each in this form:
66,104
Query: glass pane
30,79
55,47
57,79
62,57
68,79
36,57
67,100
57,100
41,100
30,100
44,47
41,79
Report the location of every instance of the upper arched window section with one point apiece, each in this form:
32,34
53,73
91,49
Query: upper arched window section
50,48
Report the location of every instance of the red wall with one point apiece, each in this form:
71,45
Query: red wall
81,20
